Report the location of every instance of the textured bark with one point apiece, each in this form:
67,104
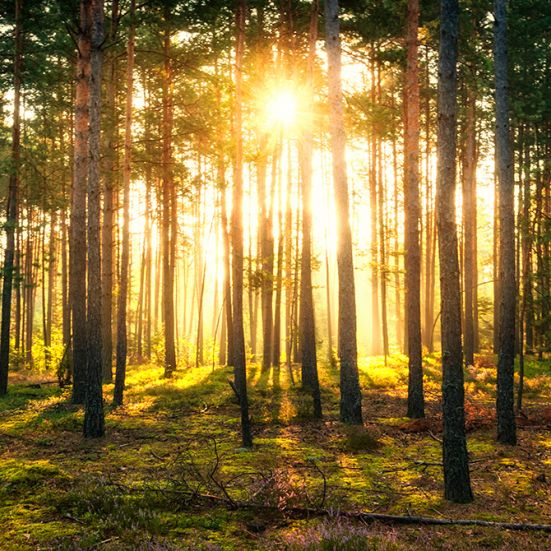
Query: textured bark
93,410
527,244
383,238
457,485
48,303
167,211
266,256
430,226
397,244
506,427
78,251
495,260
526,306
276,333
239,359
351,398
412,201
107,244
374,213
310,378
120,374
469,229
227,277
11,214
288,254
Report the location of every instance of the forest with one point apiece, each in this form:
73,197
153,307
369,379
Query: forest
275,274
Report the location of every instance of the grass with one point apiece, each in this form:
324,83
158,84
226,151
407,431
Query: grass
59,491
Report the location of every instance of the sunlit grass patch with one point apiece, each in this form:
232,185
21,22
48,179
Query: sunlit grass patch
376,374
380,466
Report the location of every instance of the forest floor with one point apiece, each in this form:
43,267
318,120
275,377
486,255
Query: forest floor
162,477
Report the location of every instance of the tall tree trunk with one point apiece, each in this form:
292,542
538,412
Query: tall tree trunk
227,276
396,251
374,213
266,255
457,486
276,333
107,244
506,428
469,227
495,261
30,286
239,359
52,267
351,397
11,214
120,374
77,258
93,412
288,252
383,237
527,244
416,400
310,378
167,210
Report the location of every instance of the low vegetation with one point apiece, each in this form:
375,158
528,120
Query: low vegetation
169,473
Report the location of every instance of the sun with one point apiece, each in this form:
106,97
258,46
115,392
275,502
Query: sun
281,108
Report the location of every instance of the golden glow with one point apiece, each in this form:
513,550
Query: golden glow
281,108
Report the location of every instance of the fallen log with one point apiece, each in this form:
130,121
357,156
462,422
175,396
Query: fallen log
384,518
353,515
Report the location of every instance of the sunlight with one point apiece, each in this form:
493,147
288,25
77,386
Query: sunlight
281,108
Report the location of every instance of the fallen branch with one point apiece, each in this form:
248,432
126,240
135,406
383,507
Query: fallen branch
398,519
190,496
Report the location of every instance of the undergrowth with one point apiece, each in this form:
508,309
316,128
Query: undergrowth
166,474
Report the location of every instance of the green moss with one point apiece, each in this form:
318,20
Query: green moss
358,438
87,492
16,474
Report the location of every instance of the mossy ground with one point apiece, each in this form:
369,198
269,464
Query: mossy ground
59,491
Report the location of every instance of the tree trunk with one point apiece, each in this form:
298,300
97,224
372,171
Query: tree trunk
351,398
469,227
430,231
383,245
307,333
416,400
266,256
11,214
120,374
276,333
107,245
239,359
374,213
227,276
457,486
93,411
506,428
167,210
77,257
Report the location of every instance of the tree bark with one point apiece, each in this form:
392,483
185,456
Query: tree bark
120,374
310,379
416,400
93,411
11,214
506,427
469,227
78,251
239,359
167,208
107,244
457,486
351,398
